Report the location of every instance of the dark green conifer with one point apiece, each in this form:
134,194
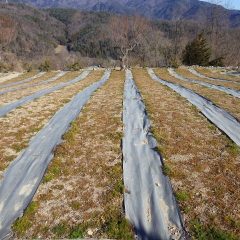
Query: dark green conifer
197,52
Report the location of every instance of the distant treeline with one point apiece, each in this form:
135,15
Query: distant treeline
30,36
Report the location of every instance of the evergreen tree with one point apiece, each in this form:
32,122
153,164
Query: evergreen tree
197,52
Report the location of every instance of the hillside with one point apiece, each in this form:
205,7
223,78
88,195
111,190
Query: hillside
35,32
63,36
154,9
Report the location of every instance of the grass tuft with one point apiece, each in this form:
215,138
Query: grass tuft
119,228
60,229
22,224
201,232
182,196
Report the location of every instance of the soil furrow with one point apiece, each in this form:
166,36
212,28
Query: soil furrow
4,77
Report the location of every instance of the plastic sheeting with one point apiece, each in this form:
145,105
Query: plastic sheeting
11,106
60,74
222,119
149,201
230,91
8,76
22,81
193,71
23,176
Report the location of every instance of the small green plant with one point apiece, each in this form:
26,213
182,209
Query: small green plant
182,196
53,172
77,232
75,205
233,148
119,229
201,232
60,230
24,223
166,170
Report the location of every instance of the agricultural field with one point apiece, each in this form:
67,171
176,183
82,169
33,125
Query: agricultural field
105,154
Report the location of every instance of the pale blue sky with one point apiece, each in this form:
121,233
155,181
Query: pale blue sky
233,3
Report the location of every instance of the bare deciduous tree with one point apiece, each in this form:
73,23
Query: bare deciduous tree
127,33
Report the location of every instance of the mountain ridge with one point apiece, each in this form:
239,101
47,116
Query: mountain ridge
155,9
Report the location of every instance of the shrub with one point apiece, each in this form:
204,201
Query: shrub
45,66
218,62
74,67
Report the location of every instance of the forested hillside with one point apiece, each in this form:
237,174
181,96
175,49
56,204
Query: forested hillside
67,36
155,9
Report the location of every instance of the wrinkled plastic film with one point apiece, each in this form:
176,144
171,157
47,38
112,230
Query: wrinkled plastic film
23,81
219,117
23,176
193,71
61,74
230,91
11,106
149,201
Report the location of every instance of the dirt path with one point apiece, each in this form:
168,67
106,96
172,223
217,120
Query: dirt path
201,162
20,125
82,191
223,100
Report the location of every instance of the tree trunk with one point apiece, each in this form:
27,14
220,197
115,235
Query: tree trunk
125,61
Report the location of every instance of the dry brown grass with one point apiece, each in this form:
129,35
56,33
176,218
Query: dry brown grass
19,78
13,96
216,74
203,164
184,72
17,128
83,185
223,100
